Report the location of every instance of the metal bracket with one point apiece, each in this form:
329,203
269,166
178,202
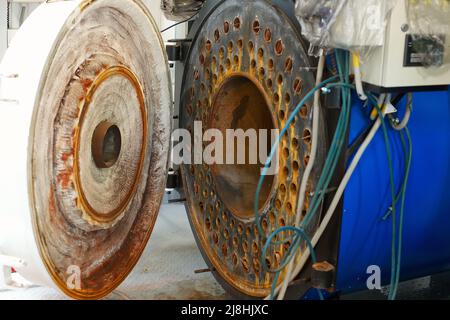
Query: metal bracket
174,52
173,180
322,276
177,49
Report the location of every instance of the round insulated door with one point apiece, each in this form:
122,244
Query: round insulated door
247,70
85,127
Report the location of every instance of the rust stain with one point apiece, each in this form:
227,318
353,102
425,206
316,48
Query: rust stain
103,68
66,155
64,178
51,203
324,266
86,83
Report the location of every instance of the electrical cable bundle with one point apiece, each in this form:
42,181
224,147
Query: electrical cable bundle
325,178
397,231
296,235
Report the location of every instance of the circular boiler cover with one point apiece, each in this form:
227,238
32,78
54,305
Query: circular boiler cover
84,130
247,69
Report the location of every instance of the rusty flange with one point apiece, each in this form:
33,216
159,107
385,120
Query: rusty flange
247,68
97,99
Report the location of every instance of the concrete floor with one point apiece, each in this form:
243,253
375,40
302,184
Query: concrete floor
165,270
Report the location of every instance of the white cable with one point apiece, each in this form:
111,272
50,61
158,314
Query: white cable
326,220
310,166
358,77
402,125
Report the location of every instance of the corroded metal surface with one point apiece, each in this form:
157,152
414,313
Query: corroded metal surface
107,206
240,103
108,65
247,55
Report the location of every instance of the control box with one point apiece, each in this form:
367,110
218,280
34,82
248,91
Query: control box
407,61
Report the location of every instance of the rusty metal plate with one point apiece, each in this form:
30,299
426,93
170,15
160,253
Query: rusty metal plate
99,106
247,68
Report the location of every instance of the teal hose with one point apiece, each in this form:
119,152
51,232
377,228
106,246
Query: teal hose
297,235
396,242
300,234
336,146
274,149
326,176
393,195
408,155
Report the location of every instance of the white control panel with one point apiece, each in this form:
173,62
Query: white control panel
406,60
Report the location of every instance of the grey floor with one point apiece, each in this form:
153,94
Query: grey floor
435,287
165,271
